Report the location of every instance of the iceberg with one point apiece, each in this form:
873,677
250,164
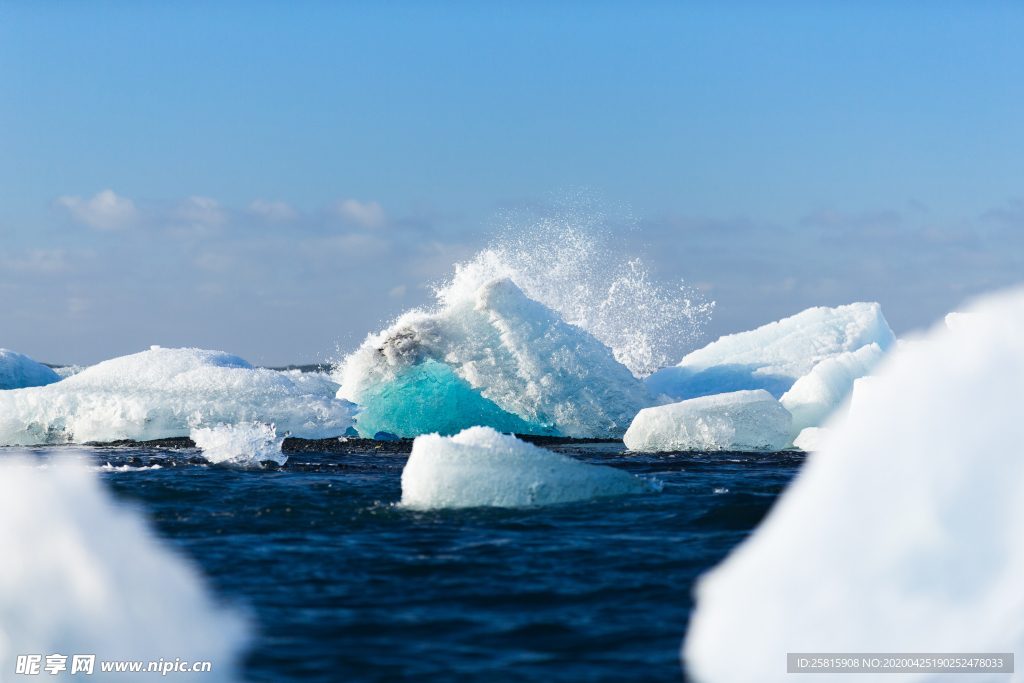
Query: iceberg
243,444
819,393
481,467
498,359
162,393
738,421
904,534
774,356
80,573
18,371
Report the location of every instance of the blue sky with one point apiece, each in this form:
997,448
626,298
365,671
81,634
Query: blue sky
286,176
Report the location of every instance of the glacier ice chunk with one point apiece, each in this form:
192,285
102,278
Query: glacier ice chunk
162,393
774,356
904,534
241,444
80,573
18,371
812,439
481,467
816,395
737,421
498,359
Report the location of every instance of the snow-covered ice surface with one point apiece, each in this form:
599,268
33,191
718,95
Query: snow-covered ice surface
81,574
496,358
905,534
819,393
750,421
18,371
163,393
68,370
481,467
242,444
774,356
812,439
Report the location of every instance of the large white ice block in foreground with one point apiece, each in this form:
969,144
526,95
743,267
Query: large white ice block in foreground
498,359
80,574
481,467
162,393
18,371
737,421
904,534
774,356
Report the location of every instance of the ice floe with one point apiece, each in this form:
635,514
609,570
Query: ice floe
496,358
18,371
819,393
736,421
163,393
774,356
481,467
904,534
241,444
80,574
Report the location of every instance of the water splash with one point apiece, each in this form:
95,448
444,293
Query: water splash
569,259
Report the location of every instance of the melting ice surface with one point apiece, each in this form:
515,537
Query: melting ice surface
751,421
495,358
80,574
242,444
931,560
18,371
775,356
480,466
163,393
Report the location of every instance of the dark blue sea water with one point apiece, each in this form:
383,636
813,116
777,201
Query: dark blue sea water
344,586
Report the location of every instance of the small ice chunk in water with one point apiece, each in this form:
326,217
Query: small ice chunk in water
242,444
812,439
18,371
81,573
905,533
774,356
482,467
737,421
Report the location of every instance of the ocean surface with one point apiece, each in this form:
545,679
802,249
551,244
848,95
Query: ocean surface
342,585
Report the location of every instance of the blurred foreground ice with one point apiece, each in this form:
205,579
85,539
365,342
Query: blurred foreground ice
904,534
80,574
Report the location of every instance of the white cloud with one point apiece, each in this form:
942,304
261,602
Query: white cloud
105,211
397,292
274,212
202,211
37,261
366,214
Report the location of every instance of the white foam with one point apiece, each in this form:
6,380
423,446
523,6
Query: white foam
819,393
18,371
162,393
481,467
737,421
80,574
243,444
499,359
570,262
774,356
904,534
